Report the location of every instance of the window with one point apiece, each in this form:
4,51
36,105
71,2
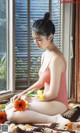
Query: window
3,45
6,47
27,55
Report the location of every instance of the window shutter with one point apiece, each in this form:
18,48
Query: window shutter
21,43
28,56
57,10
37,10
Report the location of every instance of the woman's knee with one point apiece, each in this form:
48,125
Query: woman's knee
13,116
10,116
9,106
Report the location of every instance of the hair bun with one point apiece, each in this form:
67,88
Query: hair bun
46,16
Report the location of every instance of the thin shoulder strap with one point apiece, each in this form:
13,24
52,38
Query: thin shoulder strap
44,67
42,58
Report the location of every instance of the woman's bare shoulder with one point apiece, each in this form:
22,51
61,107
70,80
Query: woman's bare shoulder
58,61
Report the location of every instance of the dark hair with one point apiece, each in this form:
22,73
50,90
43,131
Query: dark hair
44,26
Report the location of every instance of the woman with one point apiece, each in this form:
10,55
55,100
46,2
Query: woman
52,76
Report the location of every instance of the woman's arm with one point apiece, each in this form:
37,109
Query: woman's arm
39,84
56,67
36,86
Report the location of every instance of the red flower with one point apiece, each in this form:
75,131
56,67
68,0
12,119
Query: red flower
3,117
20,105
78,126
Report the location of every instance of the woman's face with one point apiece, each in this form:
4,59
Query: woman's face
41,41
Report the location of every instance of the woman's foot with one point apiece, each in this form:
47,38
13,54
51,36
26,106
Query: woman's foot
61,121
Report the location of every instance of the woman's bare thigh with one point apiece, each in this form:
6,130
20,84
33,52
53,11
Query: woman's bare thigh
48,108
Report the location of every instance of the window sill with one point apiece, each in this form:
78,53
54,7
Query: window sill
6,95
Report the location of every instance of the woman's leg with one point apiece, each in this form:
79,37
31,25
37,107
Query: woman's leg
29,116
9,106
48,108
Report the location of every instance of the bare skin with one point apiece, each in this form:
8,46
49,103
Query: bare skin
42,110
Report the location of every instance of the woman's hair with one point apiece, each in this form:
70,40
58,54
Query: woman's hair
44,26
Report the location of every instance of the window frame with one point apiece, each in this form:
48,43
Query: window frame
10,52
67,41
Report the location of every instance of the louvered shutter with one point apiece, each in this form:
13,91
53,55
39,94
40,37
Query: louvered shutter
57,13
28,56
37,10
21,43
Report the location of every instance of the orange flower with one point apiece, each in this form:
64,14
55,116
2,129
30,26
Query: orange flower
0,106
78,126
69,126
3,117
20,105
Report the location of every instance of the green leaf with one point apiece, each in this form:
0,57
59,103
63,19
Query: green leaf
32,93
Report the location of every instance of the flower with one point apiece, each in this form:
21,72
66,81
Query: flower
0,106
78,126
3,117
40,95
20,105
69,126
39,92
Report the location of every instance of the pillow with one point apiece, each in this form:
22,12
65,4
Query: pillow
72,114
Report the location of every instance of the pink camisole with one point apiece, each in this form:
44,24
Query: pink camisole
62,95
